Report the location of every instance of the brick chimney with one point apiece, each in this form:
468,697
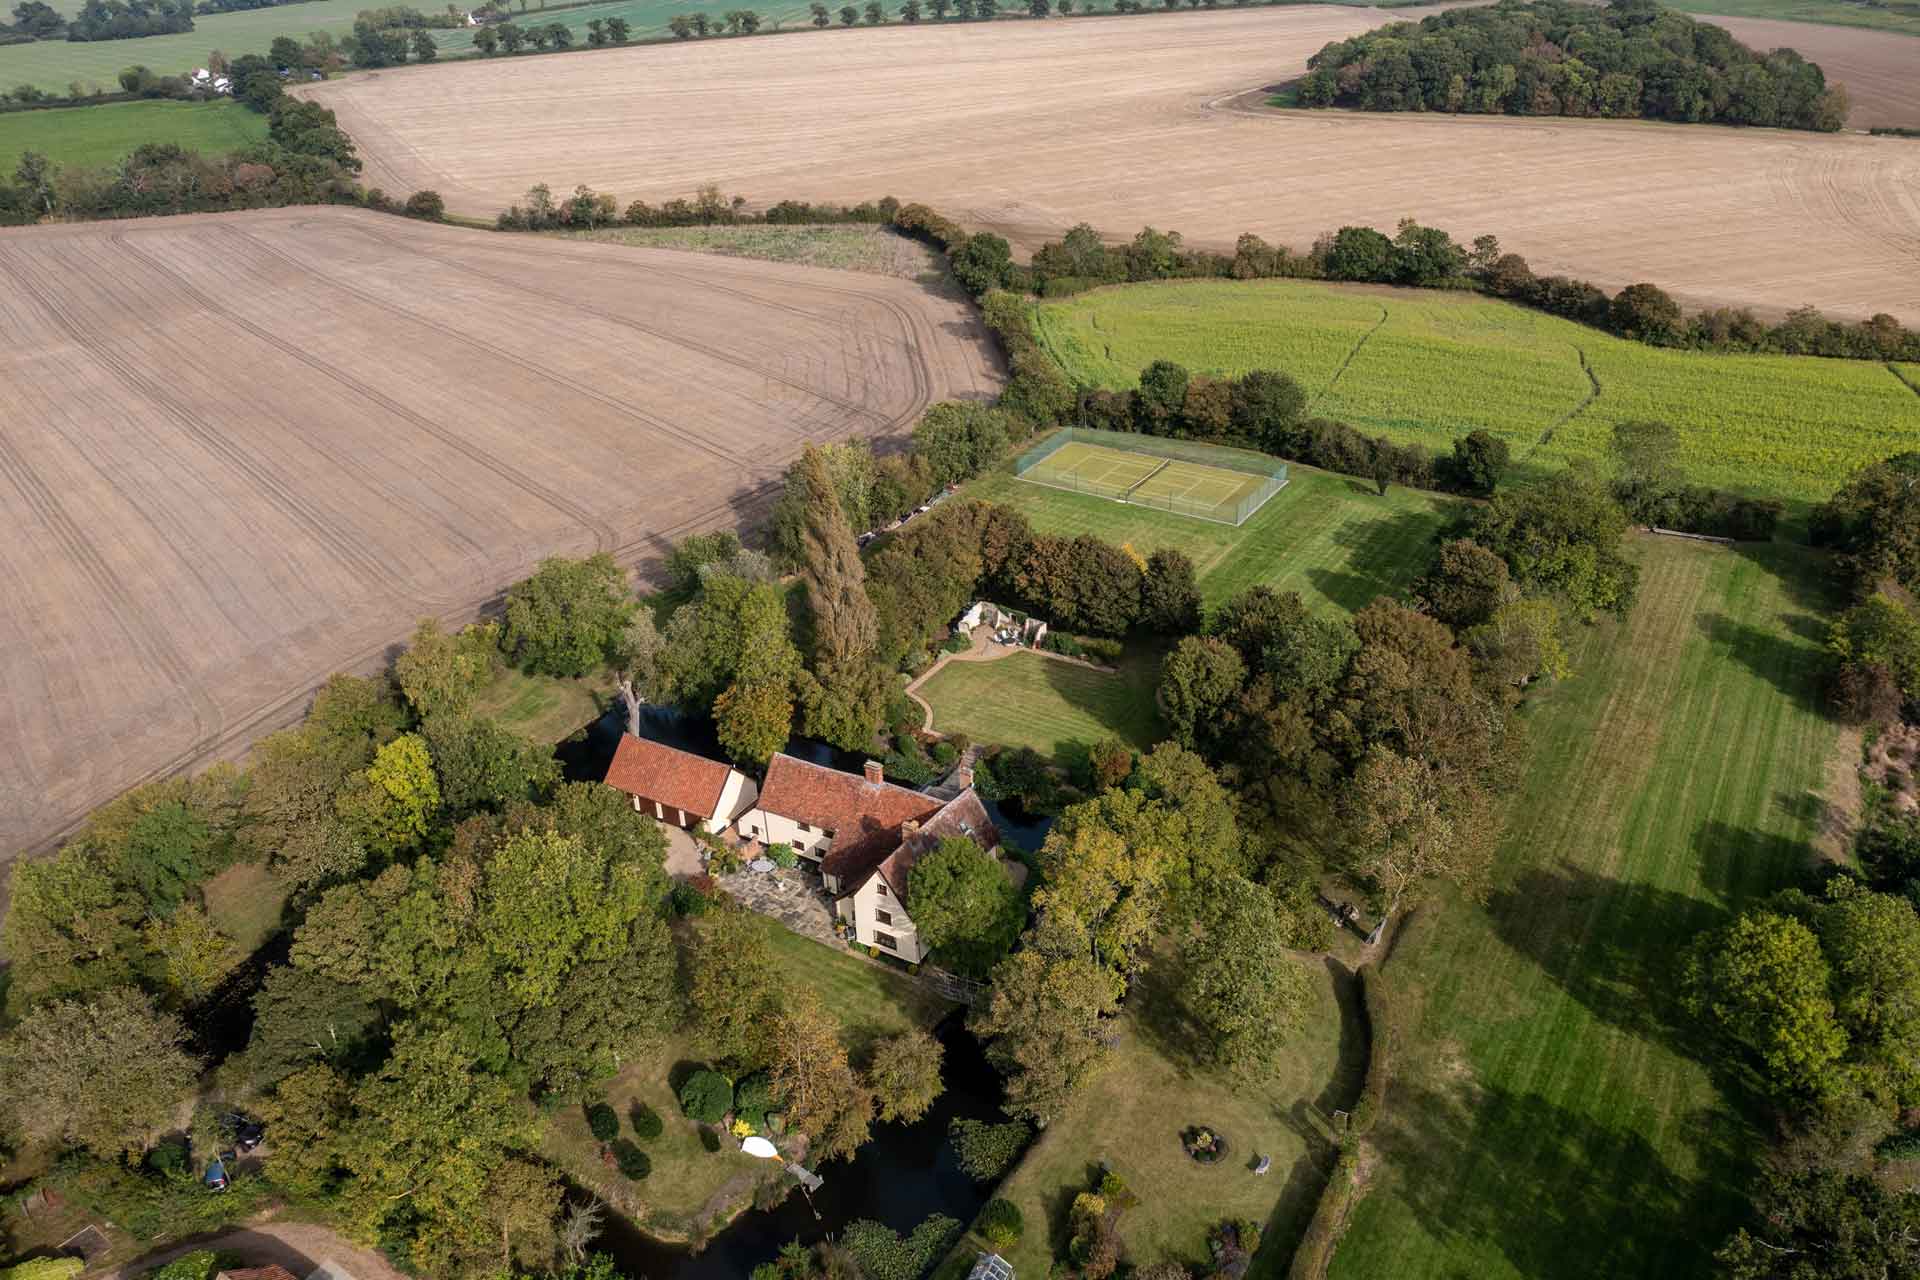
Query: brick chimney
874,773
909,829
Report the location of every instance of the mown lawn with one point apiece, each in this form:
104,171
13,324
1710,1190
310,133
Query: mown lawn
1131,1117
1424,367
688,1183
1552,1114
1026,700
97,137
1329,537
543,708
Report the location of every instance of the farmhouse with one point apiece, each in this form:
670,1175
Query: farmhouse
678,787
865,833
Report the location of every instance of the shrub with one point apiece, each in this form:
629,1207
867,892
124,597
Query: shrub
707,1096
1315,1250
646,1122
782,855
602,1122
687,901
1899,1146
426,204
1380,1037
1001,1223
985,1150
632,1160
710,1140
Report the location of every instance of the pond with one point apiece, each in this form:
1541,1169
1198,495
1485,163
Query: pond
902,1175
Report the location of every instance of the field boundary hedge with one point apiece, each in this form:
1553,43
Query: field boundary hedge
1314,1254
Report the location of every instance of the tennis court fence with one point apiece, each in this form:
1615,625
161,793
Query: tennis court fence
1271,472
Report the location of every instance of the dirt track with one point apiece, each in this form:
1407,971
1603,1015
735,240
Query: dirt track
1029,127
241,452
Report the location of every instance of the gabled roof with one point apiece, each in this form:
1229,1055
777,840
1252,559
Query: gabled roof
673,777
964,815
864,817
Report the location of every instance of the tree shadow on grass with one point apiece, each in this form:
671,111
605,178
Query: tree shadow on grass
1560,1192
1738,864
1787,662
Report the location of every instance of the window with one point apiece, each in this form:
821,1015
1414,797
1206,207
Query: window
883,917
880,889
804,827
886,940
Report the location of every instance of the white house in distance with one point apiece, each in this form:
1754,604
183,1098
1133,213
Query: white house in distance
865,833
677,786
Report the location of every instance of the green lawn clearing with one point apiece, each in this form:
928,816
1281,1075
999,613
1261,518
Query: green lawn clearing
1331,538
691,1190
1026,699
1550,1113
874,250
244,902
101,136
1131,1117
543,708
1424,367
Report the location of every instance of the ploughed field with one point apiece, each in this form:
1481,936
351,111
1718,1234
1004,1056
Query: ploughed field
1029,127
241,452
1425,366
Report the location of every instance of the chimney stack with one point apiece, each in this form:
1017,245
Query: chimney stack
910,828
964,776
874,773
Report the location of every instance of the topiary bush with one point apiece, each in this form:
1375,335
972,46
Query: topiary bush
646,1122
632,1160
1001,1223
707,1096
602,1122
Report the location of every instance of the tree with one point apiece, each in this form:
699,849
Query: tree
549,903
440,673
963,905
424,49
1263,407
1412,823
484,768
195,955
754,720
1479,459
567,619
904,1075
735,987
1563,535
910,11
821,17
1646,463
487,41
1169,598
1243,993
70,931
817,1085
427,206
390,806
1360,253
618,30
875,14
1825,1224
982,263
301,1017
1198,680
1763,983
1039,8
1466,585
1646,312
845,694
1161,397
959,439
104,1074
1873,524
1042,1020
848,15
1876,648
596,32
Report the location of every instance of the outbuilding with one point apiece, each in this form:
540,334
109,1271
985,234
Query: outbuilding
678,787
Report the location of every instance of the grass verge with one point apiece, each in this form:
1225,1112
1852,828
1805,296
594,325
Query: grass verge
1550,1113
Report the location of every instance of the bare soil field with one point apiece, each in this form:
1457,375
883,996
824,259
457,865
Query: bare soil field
1030,127
240,452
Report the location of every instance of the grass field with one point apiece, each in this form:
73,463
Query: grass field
1549,1114
1900,15
645,17
1426,367
1129,1117
543,708
1329,537
688,1180
100,136
875,250
1026,700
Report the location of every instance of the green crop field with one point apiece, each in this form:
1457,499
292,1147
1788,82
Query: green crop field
1331,538
99,136
647,18
1425,367
1901,15
1550,1115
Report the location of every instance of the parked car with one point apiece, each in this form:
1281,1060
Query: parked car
242,1130
216,1179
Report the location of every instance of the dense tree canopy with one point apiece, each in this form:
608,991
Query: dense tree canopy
1629,58
963,905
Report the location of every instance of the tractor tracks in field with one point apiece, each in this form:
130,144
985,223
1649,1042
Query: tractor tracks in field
1338,373
1905,381
1593,380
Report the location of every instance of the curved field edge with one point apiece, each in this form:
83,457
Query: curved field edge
1549,1115
1440,365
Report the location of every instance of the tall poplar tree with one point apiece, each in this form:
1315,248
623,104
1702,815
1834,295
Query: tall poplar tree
844,692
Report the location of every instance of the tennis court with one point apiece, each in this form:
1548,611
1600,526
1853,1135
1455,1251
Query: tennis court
1152,479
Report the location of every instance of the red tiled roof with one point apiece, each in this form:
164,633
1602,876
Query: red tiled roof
675,778
863,816
963,815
